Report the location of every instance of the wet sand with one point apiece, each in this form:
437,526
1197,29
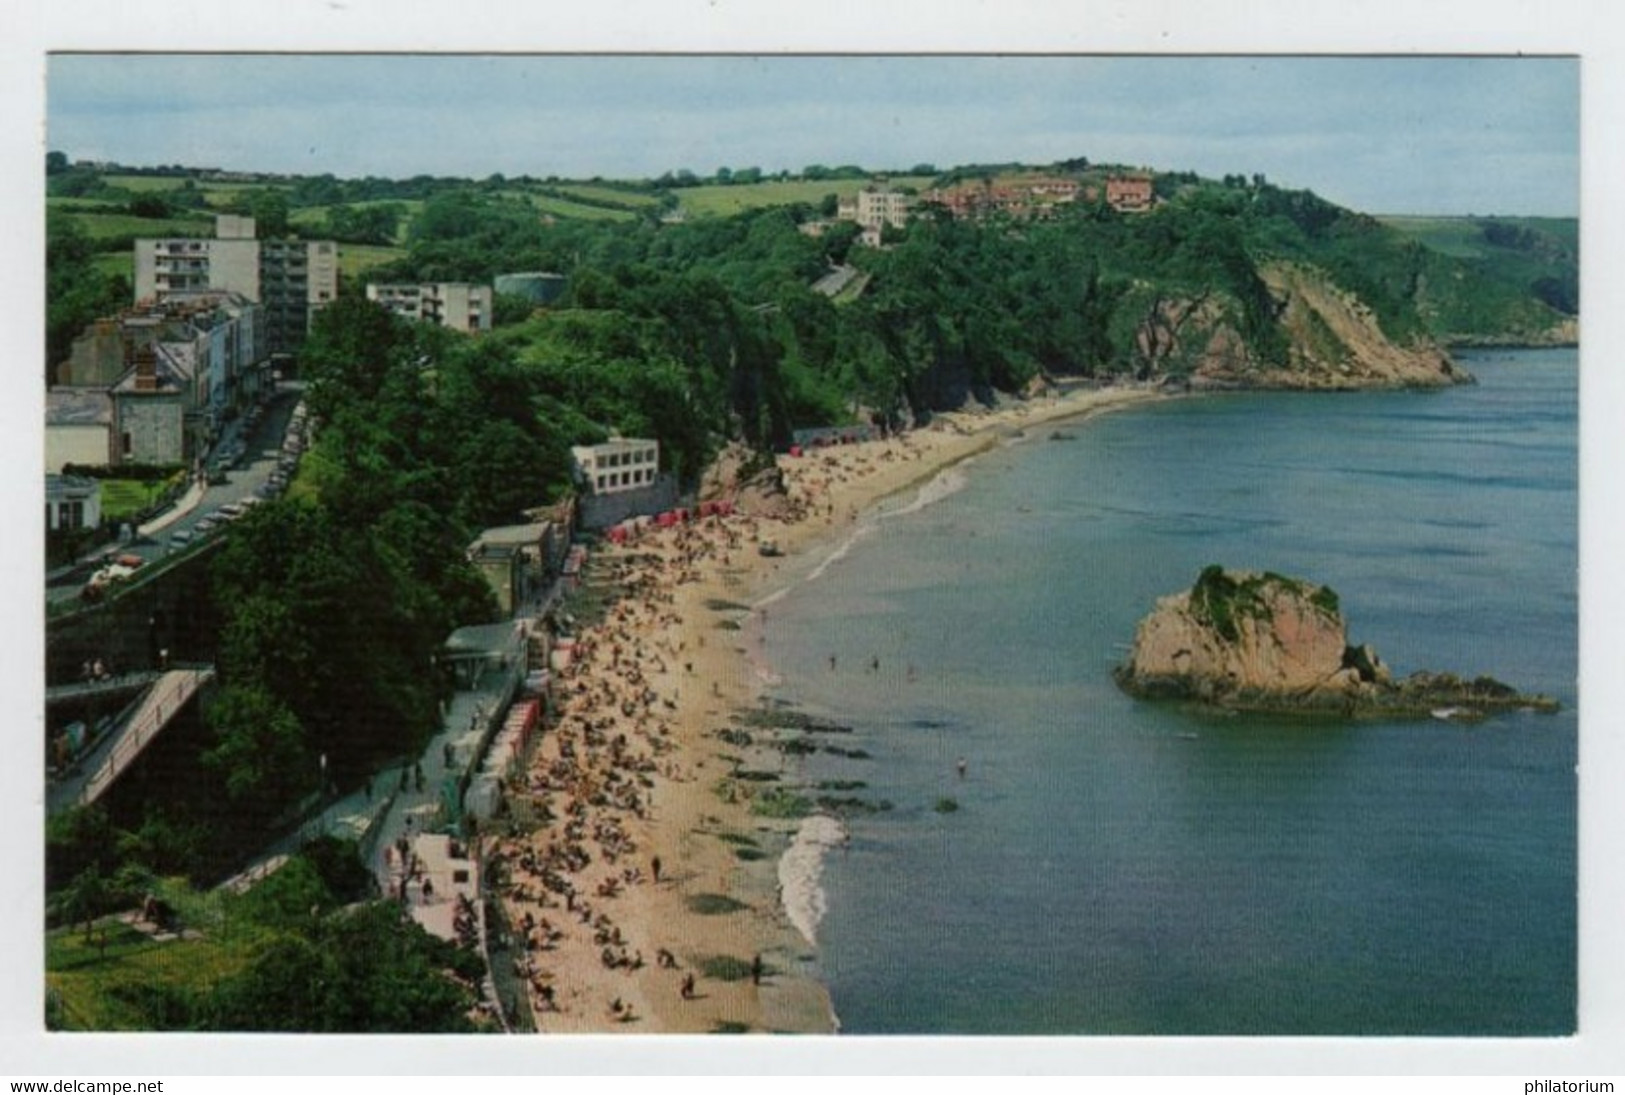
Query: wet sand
633,770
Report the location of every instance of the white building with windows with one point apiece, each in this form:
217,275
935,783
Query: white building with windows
619,464
454,304
292,279
875,208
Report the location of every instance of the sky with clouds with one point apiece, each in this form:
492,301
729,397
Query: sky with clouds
1381,134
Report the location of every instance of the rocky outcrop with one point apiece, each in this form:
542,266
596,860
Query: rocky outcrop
1266,642
751,480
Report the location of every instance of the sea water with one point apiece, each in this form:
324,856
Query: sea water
1118,867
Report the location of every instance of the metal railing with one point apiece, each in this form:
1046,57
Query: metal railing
155,712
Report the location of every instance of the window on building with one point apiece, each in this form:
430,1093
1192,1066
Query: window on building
129,445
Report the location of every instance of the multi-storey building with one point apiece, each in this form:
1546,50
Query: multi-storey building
619,464
458,305
874,208
298,278
293,279
1130,193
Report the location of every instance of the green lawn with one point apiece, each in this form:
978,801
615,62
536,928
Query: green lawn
124,498
725,201
119,990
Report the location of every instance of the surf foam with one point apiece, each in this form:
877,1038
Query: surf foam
800,870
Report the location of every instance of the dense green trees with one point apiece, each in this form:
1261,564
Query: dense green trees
76,292
337,600
364,969
309,949
374,224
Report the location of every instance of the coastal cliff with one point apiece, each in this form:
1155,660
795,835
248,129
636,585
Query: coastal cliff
1265,642
1321,337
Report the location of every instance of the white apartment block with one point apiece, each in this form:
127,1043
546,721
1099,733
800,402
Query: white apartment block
619,464
874,209
293,279
458,305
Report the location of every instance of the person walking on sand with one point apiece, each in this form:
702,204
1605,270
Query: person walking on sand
654,867
756,970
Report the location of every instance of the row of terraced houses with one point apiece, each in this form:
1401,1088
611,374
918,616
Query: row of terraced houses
876,208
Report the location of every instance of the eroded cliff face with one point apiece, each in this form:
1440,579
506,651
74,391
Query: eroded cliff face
1266,642
1336,341
1333,342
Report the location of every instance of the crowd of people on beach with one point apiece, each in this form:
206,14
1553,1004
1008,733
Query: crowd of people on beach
594,783
594,779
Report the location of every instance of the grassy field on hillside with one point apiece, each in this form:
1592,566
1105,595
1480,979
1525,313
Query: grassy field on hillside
215,193
83,205
101,226
116,263
313,217
557,207
356,259
1455,236
1462,237
628,198
144,184
725,201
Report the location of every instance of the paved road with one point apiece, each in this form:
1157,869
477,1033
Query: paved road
262,449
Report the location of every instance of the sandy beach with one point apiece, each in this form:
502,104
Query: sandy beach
648,897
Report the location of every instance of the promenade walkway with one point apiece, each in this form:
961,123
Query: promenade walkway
110,759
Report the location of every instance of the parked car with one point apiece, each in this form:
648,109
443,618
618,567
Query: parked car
179,539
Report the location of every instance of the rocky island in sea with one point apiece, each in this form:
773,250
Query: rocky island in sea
1263,642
